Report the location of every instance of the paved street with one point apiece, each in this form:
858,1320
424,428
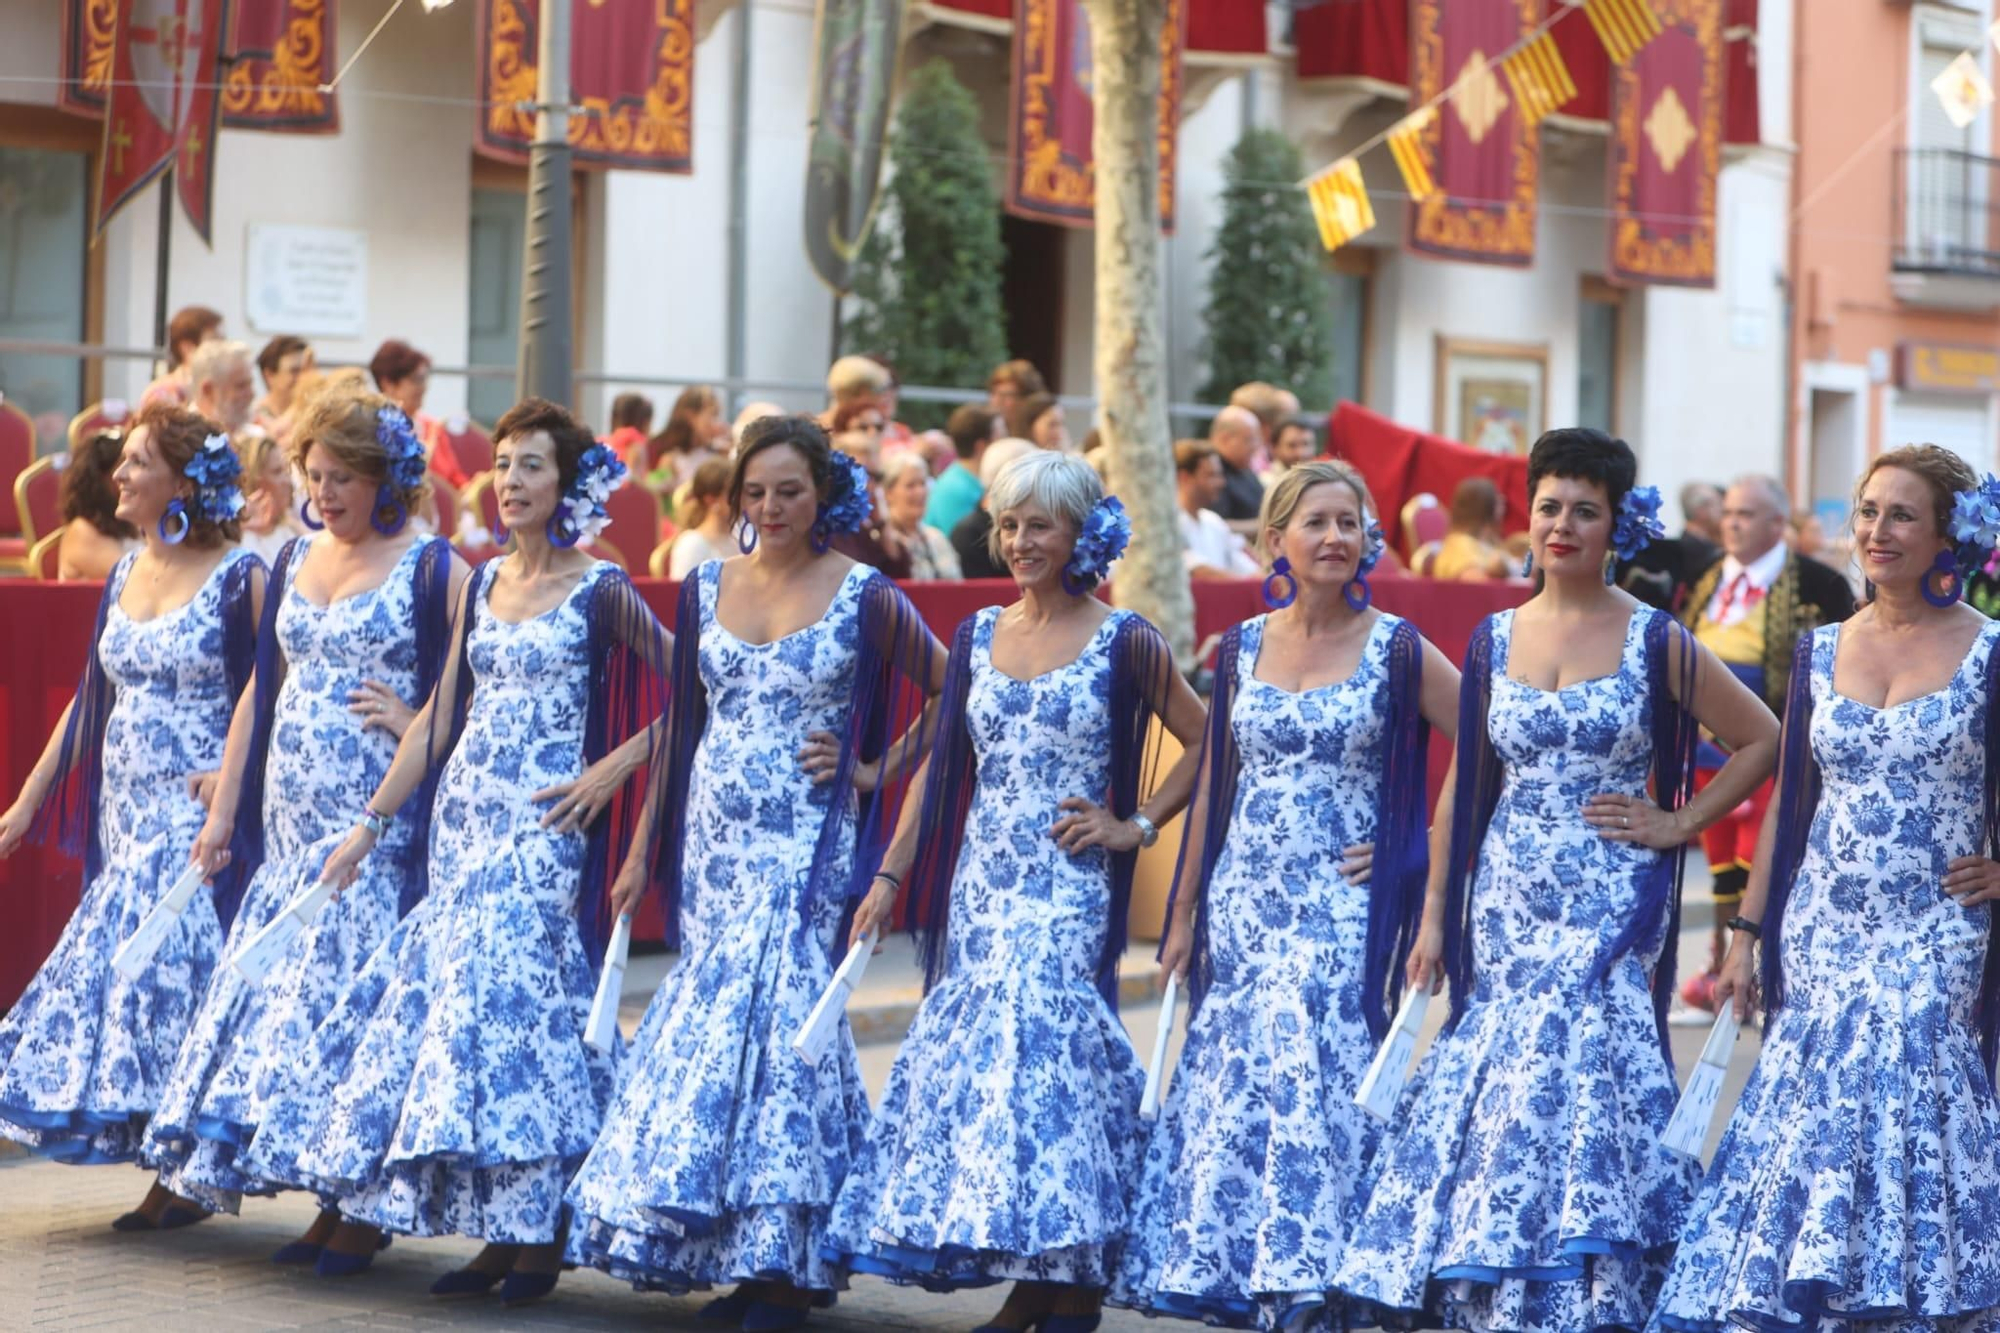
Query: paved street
61,1266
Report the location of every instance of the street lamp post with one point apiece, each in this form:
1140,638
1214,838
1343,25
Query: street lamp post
545,365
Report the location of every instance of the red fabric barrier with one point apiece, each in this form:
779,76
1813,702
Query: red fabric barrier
50,626
1399,462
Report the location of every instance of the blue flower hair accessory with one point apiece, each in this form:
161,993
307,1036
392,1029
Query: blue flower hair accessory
1975,515
848,502
581,514
1373,543
1638,523
399,441
1106,530
214,470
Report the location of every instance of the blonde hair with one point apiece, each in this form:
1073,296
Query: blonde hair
340,418
1284,497
254,446
854,377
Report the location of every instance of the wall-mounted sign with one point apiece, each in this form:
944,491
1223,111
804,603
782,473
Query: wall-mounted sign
311,281
1948,367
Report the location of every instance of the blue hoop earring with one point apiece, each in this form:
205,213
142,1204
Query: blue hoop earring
176,509
1944,574
822,534
306,515
1281,569
562,532
746,536
386,504
1358,600
1075,584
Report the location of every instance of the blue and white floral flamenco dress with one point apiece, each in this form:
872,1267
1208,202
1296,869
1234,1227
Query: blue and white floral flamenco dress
1524,1186
1241,1215
450,1091
315,767
1009,1133
721,1157
1858,1183
85,1052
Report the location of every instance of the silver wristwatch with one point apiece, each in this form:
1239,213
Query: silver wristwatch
374,823
1149,832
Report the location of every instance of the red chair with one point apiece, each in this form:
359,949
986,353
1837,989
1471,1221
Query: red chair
635,523
471,444
479,500
96,417
1424,521
17,452
448,506
38,497
44,561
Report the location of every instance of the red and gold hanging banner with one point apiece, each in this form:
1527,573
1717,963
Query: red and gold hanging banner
631,72
1666,150
1051,176
160,114
1485,155
279,54
87,26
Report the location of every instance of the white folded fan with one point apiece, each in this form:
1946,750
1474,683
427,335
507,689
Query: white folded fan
1382,1086
139,947
1695,1111
824,1021
1156,1073
254,961
602,1030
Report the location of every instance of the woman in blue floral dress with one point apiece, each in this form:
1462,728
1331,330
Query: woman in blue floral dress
1008,1136
720,1160
85,1052
1858,1184
1523,1185
1296,902
450,1090
355,634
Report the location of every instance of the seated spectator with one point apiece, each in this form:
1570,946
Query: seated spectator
284,363
1211,549
856,429
94,538
852,380
1010,382
269,520
1292,443
403,375
1237,437
190,327
906,494
221,385
1270,404
968,538
756,411
1472,550
1039,420
694,433
631,423
704,511
958,490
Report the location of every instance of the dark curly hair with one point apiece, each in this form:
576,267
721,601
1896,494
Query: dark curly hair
571,437
1581,453
801,433
87,490
177,434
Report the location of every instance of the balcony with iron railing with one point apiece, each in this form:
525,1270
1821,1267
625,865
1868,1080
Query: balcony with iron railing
1947,220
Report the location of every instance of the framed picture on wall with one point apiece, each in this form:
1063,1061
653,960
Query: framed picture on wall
1492,395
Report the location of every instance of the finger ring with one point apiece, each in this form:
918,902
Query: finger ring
1628,821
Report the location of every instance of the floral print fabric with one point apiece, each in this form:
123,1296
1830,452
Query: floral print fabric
1523,1185
321,770
85,1053
721,1158
1242,1213
450,1090
1008,1132
1860,1174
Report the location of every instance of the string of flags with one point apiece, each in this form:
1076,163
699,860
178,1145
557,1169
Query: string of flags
1541,84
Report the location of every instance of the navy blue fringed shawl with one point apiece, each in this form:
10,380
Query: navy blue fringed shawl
1674,731
624,694
1798,804
1140,663
431,608
893,658
1402,852
69,810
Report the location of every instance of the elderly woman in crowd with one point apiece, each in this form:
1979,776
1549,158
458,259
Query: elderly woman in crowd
94,539
906,494
1009,1133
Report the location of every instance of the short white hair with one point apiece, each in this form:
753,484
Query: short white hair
1063,484
1774,493
904,460
214,358
998,455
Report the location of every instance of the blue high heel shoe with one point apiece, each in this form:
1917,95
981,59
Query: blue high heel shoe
728,1309
300,1254
520,1288
466,1282
332,1263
